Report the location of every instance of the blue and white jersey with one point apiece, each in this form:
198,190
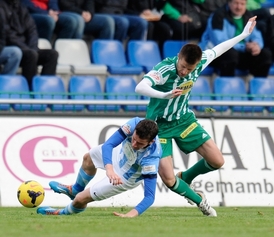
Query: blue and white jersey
133,164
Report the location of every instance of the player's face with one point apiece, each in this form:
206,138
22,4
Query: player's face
237,7
183,68
138,143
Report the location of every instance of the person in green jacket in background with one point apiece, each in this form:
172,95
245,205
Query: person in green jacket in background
183,18
265,22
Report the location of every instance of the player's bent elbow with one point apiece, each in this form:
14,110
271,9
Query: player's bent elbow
138,89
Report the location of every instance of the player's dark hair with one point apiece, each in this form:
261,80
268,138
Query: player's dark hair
191,53
147,129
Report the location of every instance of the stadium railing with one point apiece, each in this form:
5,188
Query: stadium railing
266,102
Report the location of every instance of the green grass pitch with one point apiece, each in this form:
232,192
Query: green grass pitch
156,222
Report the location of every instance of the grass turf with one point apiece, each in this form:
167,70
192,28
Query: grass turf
156,222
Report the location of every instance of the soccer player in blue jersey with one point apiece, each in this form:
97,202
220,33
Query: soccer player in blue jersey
169,85
131,155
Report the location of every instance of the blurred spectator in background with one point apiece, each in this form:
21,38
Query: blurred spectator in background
206,7
158,30
98,25
10,56
20,30
265,22
183,17
50,20
249,54
127,26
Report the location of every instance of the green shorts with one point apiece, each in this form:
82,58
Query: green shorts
186,132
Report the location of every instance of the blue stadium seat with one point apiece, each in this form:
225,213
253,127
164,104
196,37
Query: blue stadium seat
143,53
87,88
263,89
112,54
208,71
268,4
51,87
172,47
123,88
231,88
271,70
201,91
16,87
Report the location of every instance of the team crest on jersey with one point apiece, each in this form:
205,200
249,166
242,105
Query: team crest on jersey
126,129
185,87
155,75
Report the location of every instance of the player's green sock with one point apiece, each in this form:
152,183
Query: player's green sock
81,182
70,209
183,189
201,167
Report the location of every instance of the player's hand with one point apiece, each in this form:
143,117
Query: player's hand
176,93
130,214
173,94
113,177
250,25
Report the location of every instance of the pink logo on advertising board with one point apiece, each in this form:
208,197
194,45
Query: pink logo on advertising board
44,152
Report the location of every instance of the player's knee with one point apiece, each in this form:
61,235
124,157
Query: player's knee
218,163
87,161
168,181
78,201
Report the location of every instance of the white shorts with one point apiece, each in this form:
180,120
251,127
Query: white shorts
104,189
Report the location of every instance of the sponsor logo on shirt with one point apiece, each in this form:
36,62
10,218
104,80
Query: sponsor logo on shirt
163,140
188,130
185,87
149,168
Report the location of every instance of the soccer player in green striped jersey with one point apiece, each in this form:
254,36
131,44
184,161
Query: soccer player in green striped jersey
169,85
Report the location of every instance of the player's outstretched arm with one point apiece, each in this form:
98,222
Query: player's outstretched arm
228,44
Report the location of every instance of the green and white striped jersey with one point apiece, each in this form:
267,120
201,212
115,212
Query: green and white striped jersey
164,78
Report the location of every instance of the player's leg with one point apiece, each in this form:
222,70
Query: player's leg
91,161
212,160
174,183
168,131
180,187
78,205
199,140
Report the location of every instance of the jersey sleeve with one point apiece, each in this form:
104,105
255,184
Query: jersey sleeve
155,77
162,71
207,57
150,182
129,127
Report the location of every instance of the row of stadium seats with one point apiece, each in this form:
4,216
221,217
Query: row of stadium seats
80,88
234,89
123,88
109,57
